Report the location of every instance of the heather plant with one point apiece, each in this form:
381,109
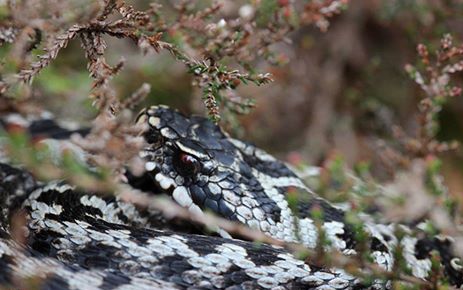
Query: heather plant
195,34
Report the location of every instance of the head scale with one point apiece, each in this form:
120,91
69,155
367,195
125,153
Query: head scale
203,168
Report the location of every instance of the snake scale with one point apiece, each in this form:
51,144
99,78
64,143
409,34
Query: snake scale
81,240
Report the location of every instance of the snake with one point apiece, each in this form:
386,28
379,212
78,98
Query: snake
77,239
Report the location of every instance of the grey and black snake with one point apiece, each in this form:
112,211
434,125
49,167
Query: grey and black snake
80,240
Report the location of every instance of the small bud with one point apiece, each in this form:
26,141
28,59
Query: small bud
236,82
246,12
221,23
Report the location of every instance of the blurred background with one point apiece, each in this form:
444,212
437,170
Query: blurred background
338,92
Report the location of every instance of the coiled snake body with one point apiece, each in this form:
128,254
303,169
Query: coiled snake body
79,240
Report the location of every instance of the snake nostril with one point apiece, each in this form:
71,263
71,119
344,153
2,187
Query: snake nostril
153,137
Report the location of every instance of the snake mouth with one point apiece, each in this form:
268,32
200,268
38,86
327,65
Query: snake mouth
148,183
145,183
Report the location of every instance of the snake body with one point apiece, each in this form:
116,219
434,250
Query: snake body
80,240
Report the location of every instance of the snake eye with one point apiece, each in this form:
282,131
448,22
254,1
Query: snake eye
186,164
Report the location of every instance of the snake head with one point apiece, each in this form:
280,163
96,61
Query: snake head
202,167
